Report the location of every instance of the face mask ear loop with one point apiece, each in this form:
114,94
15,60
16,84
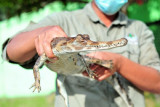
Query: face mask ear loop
125,30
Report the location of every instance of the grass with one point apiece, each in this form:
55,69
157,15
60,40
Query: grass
152,100
48,101
40,101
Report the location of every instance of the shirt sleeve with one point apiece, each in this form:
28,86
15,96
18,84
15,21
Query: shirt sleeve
148,53
4,47
50,20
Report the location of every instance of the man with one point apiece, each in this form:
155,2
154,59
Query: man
137,64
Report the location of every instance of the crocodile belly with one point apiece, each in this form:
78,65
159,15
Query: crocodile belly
67,64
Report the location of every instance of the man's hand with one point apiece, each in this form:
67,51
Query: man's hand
43,40
100,71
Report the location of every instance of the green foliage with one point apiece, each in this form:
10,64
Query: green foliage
155,29
10,8
148,12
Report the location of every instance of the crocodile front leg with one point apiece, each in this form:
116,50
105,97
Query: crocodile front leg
105,63
40,61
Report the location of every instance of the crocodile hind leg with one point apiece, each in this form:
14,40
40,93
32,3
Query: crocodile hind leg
40,61
91,74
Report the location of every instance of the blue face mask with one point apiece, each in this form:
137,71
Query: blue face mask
110,7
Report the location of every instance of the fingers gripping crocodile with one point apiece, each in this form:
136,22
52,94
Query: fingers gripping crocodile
75,45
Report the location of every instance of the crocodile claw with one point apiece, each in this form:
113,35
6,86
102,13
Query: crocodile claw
36,85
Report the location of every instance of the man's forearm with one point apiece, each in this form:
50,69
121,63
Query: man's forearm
22,47
143,77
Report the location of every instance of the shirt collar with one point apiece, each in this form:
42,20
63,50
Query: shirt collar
122,19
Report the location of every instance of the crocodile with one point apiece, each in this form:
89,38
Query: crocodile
69,46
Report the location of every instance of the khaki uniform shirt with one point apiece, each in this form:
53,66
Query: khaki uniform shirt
83,91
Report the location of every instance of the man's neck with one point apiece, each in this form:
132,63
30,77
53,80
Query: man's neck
106,19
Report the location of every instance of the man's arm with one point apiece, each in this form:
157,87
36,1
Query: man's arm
143,77
25,45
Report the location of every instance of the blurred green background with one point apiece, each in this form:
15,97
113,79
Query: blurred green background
15,16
